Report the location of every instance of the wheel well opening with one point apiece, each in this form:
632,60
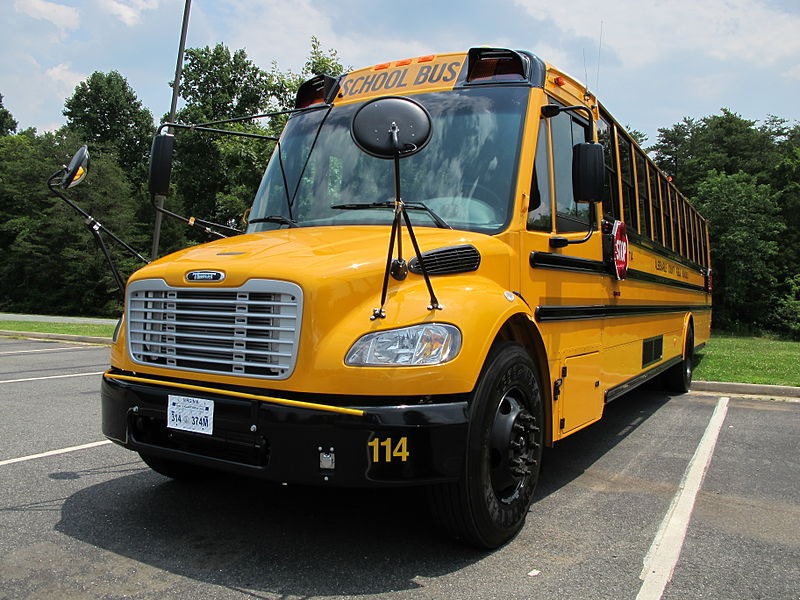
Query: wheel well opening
689,325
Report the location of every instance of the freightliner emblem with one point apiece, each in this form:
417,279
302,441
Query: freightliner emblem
205,276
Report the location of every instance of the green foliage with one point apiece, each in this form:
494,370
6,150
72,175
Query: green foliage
745,178
215,176
786,316
726,143
106,113
7,123
51,264
744,229
50,261
638,136
320,63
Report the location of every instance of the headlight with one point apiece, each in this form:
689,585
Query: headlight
426,344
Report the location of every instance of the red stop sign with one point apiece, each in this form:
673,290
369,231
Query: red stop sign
620,249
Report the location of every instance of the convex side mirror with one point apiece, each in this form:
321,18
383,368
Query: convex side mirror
587,172
161,164
77,169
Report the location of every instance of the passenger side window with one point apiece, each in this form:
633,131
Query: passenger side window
567,130
605,135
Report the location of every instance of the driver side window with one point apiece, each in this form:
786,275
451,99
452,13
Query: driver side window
539,210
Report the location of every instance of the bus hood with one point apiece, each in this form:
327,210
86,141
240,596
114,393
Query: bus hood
312,257
340,271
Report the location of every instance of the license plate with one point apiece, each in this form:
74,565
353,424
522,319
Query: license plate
190,414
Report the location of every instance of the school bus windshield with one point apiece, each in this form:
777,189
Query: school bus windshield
466,174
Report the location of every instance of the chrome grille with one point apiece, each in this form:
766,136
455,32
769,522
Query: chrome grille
252,330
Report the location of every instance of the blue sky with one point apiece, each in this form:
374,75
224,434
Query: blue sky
660,60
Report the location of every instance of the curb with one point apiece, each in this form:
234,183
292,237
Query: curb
753,389
36,335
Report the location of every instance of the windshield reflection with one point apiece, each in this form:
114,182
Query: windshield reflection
466,173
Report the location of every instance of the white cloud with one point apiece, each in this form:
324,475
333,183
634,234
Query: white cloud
63,17
62,80
128,11
793,73
281,30
711,86
640,32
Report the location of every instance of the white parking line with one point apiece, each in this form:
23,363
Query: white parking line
53,452
49,377
659,564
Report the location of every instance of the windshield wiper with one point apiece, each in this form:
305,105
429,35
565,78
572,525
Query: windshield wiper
274,219
440,222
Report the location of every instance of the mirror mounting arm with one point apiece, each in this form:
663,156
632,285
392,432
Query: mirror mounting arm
408,125
551,110
96,228
558,241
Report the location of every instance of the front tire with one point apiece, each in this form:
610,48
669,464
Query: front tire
488,505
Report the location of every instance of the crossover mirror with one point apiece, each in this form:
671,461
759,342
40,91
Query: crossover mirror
391,127
77,169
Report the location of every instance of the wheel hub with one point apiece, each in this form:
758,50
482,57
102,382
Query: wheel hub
514,448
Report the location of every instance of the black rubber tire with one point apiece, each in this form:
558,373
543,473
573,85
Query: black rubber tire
488,505
679,378
177,470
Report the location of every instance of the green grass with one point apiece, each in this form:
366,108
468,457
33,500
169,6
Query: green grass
69,328
748,360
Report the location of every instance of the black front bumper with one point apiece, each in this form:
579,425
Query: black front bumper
426,442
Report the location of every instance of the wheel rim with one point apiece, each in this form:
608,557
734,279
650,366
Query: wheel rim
514,446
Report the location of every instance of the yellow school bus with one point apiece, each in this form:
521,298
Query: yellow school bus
451,261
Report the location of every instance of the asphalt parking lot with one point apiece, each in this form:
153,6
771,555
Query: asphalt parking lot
622,510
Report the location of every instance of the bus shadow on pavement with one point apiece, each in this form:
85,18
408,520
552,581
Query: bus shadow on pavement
572,456
247,535
302,541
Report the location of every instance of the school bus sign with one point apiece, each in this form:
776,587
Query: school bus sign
426,73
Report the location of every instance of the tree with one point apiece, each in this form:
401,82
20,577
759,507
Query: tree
639,137
7,123
321,63
673,151
107,114
51,264
726,142
744,228
216,176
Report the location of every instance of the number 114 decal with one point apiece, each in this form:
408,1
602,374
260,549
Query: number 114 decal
387,449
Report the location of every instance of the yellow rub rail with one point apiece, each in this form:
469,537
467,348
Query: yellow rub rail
283,401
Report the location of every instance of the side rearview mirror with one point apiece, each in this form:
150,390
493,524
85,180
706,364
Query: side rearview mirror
77,169
161,164
587,172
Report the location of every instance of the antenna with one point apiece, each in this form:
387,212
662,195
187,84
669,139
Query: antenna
585,76
599,48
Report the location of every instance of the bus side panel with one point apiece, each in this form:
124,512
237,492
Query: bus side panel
635,344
